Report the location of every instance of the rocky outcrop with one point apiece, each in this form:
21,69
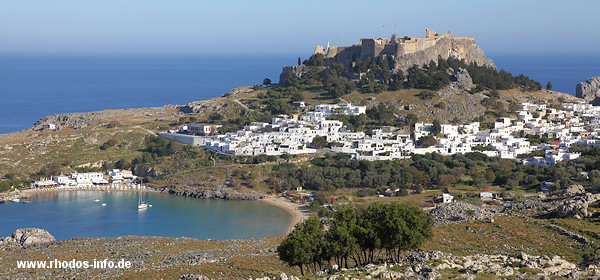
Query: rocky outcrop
298,71
573,190
460,212
27,236
577,207
445,48
206,106
589,90
72,120
460,83
462,78
105,117
535,205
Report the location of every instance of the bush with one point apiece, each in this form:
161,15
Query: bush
365,192
426,141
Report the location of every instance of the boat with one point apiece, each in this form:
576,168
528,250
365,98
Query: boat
16,200
103,204
96,200
141,204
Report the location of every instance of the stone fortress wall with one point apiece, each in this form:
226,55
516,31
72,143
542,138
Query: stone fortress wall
409,51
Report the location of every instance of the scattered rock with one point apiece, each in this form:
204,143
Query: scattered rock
193,277
573,190
460,212
531,205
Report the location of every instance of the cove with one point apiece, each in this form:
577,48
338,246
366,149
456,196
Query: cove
70,214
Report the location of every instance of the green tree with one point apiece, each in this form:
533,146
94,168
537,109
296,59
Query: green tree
426,94
319,142
402,227
304,246
317,59
215,117
436,127
267,82
549,86
426,141
299,61
297,96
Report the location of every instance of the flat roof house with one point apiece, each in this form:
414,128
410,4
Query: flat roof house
487,194
203,128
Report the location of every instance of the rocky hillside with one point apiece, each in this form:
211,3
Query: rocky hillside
466,49
589,90
103,118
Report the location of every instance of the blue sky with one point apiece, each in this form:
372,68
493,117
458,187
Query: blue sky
262,26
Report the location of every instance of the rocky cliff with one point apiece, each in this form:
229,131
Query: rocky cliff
445,48
589,90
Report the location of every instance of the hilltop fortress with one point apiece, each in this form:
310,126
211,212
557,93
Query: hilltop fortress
407,51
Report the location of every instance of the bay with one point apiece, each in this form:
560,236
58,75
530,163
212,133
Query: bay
69,214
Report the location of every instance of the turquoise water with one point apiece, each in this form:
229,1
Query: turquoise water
69,214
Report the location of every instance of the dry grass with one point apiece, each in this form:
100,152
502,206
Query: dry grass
506,234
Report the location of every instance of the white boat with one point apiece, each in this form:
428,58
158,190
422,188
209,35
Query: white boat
103,204
96,200
141,204
16,200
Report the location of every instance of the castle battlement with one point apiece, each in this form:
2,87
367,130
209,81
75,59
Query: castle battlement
409,50
373,47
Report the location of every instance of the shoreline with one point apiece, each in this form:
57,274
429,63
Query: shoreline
299,212
30,191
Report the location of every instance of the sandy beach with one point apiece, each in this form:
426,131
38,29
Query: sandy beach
299,212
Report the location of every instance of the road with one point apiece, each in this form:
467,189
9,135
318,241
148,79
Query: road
242,104
147,130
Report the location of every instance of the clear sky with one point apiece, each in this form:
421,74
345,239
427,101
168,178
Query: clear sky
280,26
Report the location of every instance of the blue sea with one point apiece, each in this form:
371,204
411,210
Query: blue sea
69,214
33,86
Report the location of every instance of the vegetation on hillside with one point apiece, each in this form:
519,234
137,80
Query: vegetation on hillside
433,171
359,234
377,75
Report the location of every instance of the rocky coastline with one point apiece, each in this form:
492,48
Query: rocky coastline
15,195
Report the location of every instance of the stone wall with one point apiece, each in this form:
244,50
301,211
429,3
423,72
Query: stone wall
417,50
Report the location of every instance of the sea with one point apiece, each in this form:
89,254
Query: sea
36,85
69,214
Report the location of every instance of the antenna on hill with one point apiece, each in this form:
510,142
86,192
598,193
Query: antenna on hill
393,25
